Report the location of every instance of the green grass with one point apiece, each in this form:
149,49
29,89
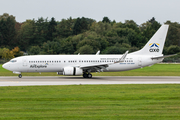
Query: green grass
155,70
97,102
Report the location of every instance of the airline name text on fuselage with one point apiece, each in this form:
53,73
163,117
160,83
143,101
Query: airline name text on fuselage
38,66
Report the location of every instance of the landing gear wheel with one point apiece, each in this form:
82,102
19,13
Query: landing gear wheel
85,75
89,75
20,76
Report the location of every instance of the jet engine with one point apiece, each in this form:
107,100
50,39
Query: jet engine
72,71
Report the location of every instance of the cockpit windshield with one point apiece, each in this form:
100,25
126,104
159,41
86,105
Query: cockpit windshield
13,61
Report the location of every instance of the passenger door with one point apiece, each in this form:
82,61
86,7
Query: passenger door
24,62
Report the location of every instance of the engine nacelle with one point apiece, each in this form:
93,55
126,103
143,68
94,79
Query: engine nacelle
72,71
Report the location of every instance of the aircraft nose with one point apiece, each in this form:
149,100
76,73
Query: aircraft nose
5,66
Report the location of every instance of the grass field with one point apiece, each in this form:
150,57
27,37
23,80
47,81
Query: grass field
94,102
91,102
155,70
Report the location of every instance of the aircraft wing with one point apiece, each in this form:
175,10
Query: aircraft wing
101,66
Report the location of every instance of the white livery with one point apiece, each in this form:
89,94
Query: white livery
150,54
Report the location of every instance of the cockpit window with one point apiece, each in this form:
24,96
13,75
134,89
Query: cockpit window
13,61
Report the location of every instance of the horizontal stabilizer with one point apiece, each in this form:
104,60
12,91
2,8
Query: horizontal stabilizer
165,56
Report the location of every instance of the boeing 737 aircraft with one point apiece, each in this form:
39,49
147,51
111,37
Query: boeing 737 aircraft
150,54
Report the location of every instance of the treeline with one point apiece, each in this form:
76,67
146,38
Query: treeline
82,35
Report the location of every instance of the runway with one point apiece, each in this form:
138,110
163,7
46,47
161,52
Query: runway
29,81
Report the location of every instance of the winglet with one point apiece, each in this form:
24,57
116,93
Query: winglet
98,52
123,57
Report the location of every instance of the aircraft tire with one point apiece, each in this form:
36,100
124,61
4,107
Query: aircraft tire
89,75
85,75
20,76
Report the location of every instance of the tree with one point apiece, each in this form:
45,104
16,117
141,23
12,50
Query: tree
52,47
81,25
1,52
7,30
106,19
52,29
77,27
101,28
173,49
93,43
84,24
7,54
34,50
26,35
65,28
75,40
67,46
86,49
151,28
131,24
173,36
112,50
16,51
41,30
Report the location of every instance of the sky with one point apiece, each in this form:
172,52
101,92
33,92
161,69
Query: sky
119,10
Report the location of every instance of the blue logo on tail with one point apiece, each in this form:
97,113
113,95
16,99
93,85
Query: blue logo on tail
154,47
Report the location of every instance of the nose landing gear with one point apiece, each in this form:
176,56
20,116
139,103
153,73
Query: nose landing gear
20,76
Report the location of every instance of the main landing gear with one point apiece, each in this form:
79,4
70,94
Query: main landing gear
87,75
20,76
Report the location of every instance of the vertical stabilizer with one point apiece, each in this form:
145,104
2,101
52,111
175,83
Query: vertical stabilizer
156,44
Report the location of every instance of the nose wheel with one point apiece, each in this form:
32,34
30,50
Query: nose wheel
20,76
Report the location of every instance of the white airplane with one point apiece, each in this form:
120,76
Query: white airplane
69,65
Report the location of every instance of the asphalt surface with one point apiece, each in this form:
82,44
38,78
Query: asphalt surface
29,81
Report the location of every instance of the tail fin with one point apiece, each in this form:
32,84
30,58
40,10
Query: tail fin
156,44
